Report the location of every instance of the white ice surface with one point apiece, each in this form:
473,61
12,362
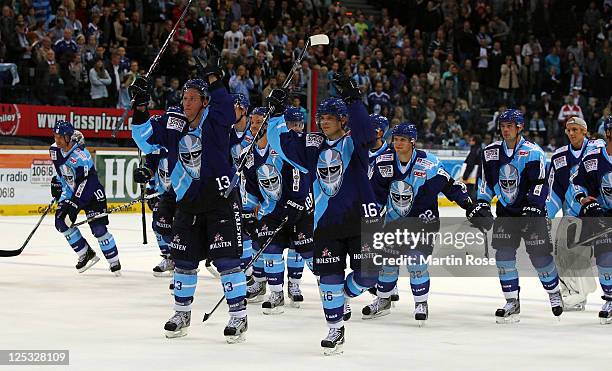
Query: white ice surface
111,323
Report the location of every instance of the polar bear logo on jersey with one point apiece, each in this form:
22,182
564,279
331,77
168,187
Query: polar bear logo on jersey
68,174
164,173
270,181
401,196
330,170
606,189
508,181
190,154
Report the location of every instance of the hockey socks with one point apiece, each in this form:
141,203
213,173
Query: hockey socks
332,297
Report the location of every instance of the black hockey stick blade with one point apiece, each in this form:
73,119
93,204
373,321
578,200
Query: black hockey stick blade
207,315
9,253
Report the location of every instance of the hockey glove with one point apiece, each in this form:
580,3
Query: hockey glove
277,101
294,212
347,88
140,91
67,209
165,215
479,214
56,188
532,212
78,138
213,64
142,175
152,202
591,209
249,223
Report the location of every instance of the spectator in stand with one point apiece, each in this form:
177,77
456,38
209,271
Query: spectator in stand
378,101
158,94
99,79
65,44
241,83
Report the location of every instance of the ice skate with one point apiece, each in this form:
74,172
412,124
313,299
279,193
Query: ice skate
605,314
87,261
256,292
295,294
178,325
379,308
334,342
115,268
235,331
556,303
509,313
421,313
394,296
275,303
165,268
347,310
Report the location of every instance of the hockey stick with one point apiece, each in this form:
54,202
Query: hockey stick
313,40
115,209
7,253
153,65
592,238
261,250
142,204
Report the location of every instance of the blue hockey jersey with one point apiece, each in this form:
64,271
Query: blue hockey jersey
77,173
272,182
339,170
238,142
517,177
411,190
561,172
594,177
158,162
374,154
198,159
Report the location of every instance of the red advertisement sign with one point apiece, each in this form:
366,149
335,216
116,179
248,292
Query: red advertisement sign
37,121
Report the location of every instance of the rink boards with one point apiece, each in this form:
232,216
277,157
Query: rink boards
25,176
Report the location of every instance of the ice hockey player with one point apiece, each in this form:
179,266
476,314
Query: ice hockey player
514,170
281,192
407,181
206,224
594,193
240,137
380,124
76,187
156,176
294,118
338,162
574,285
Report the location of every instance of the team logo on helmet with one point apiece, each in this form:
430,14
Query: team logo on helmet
190,153
329,171
164,173
401,196
270,181
606,189
68,175
508,181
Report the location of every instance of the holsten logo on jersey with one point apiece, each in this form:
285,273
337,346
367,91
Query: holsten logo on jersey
302,240
219,243
162,223
327,258
190,154
329,171
508,182
176,243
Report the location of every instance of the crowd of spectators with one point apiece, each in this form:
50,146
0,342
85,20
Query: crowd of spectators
449,66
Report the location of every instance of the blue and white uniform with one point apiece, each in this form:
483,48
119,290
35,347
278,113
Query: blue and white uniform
517,177
342,196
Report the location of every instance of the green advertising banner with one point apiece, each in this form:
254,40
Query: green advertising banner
115,170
